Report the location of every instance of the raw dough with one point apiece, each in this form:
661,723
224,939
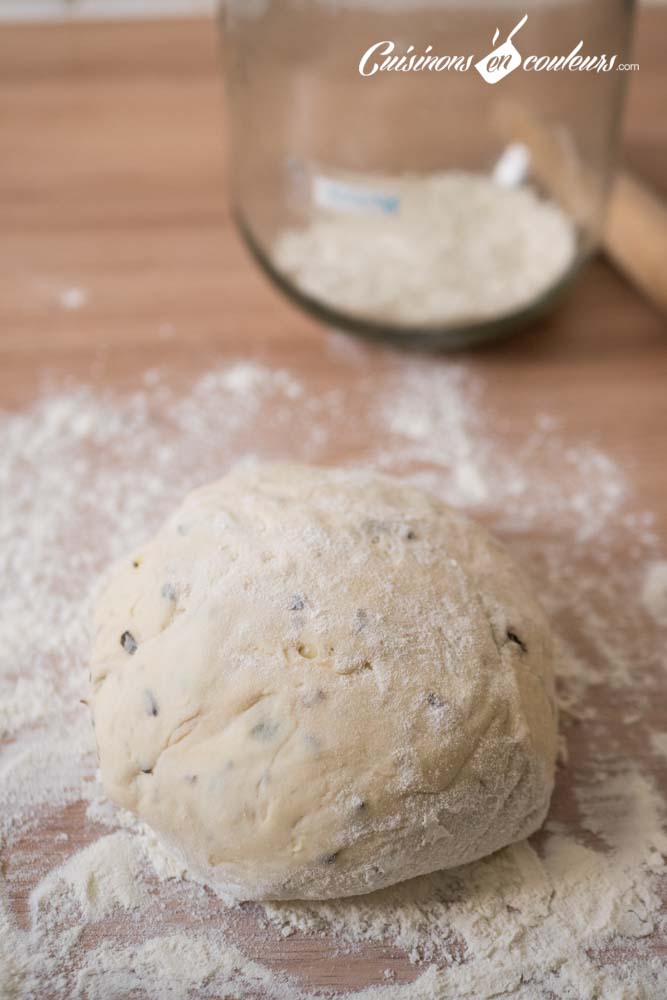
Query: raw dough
315,683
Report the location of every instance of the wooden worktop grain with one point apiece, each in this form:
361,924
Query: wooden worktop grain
113,180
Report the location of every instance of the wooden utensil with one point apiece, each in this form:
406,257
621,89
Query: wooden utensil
635,236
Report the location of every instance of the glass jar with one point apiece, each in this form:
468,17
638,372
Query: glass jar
433,172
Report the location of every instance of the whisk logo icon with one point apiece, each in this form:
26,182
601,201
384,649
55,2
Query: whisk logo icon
501,61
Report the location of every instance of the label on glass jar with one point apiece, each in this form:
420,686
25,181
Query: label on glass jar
343,196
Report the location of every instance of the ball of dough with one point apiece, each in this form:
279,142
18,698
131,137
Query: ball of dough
318,682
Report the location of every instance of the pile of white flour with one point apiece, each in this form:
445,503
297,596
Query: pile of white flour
458,248
89,904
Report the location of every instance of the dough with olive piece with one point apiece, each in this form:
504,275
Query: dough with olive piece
318,682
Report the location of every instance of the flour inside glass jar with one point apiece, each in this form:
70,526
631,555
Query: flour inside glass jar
442,249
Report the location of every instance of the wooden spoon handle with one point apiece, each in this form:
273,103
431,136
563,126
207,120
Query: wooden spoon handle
635,236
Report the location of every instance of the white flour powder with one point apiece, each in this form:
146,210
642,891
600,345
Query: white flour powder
90,906
459,248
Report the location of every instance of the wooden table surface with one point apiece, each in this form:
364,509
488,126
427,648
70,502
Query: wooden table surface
112,179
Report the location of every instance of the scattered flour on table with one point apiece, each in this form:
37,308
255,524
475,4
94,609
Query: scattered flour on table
103,911
93,882
73,298
458,248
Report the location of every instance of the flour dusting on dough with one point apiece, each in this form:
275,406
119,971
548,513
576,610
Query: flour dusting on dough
577,912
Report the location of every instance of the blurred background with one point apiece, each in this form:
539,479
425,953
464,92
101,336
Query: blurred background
442,215
124,8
